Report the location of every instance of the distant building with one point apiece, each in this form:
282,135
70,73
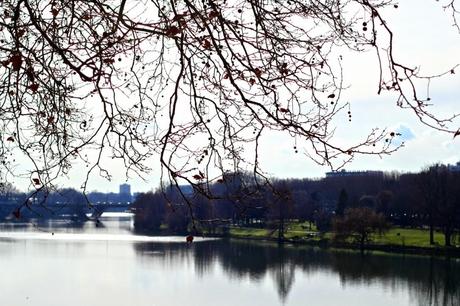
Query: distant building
125,193
344,173
125,189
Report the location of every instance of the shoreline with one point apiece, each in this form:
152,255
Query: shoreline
439,251
387,248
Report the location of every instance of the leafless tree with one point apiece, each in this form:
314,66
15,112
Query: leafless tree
196,83
359,224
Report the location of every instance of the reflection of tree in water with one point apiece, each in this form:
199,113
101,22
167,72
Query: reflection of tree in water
283,274
429,281
441,286
204,258
244,260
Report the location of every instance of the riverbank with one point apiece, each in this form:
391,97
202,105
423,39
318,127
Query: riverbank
396,240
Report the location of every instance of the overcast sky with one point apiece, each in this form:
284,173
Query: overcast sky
424,37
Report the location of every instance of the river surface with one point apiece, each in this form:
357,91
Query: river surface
68,264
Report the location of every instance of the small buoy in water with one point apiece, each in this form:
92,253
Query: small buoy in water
189,239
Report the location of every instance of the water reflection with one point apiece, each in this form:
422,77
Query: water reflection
116,223
429,281
129,269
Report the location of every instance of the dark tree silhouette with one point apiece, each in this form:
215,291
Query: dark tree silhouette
359,224
384,198
304,206
342,202
194,82
439,186
280,208
432,184
150,209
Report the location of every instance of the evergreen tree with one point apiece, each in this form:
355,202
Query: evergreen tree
342,202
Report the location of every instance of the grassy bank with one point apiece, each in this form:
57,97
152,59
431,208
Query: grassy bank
395,240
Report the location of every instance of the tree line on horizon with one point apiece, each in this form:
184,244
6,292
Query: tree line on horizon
428,199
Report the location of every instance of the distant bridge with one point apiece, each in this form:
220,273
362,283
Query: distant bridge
53,210
97,210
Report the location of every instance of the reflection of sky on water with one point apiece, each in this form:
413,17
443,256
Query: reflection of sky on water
94,266
92,237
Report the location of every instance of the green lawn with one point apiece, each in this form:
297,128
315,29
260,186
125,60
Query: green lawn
295,230
249,232
409,237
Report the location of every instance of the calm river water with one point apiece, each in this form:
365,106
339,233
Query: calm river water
59,264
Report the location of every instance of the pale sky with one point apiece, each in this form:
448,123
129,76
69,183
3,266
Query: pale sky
424,37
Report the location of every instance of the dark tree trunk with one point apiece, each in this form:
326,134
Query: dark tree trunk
281,224
431,230
281,230
447,236
361,242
